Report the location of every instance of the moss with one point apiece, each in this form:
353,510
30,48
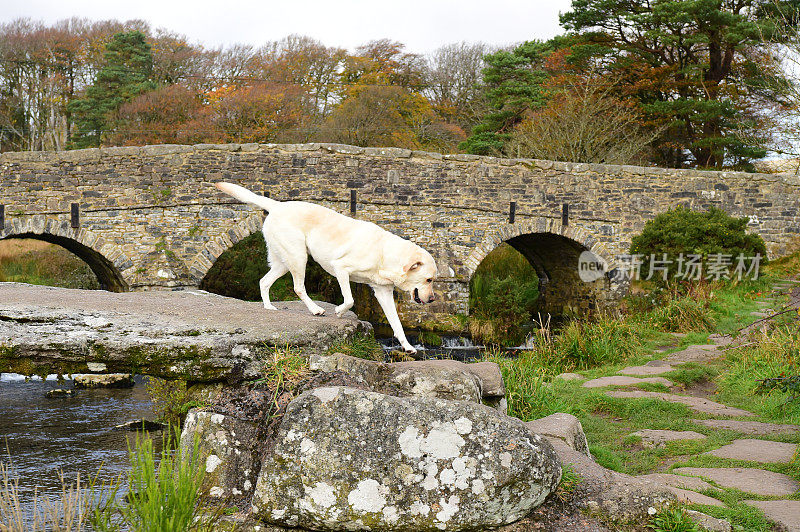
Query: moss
430,338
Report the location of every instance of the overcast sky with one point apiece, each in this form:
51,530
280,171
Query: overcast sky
423,25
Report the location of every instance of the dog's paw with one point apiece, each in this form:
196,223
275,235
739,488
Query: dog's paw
318,311
408,348
341,309
270,307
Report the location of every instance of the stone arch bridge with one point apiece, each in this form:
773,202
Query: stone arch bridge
149,217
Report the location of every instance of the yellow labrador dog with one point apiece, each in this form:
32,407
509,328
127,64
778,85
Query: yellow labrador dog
346,248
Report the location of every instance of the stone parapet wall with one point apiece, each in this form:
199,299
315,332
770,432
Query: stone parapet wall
153,212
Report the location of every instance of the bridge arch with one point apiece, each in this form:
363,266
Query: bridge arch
553,249
106,260
211,251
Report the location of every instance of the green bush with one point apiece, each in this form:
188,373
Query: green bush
503,294
690,232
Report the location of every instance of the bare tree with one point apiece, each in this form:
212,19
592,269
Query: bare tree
583,122
454,76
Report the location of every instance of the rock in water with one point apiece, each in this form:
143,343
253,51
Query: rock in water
348,459
105,380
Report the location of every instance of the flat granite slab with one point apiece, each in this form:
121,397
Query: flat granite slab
768,452
188,334
678,481
619,380
694,353
784,513
698,404
646,370
748,427
746,479
692,497
658,438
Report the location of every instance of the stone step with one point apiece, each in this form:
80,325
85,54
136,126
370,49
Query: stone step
720,340
749,427
749,480
698,404
692,497
620,380
658,438
783,513
678,481
764,314
647,369
694,353
768,452
570,377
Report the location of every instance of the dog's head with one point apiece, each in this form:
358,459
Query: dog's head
418,275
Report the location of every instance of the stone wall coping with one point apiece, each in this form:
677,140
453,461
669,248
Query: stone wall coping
95,154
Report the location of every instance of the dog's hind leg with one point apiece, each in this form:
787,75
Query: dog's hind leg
298,276
344,284
276,270
385,297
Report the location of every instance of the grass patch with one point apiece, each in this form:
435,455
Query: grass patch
673,519
31,261
164,491
359,345
691,373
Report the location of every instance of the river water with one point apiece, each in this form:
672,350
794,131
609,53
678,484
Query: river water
42,436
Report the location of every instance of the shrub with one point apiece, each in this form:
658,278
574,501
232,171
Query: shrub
690,232
171,400
673,520
503,294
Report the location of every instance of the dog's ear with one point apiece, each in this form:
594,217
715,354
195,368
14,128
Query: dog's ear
411,266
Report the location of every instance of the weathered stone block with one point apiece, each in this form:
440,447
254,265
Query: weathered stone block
347,459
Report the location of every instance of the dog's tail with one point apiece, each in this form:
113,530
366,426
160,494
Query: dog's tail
242,194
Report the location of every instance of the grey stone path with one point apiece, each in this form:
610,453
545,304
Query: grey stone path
749,427
747,479
619,380
646,370
685,482
768,452
657,438
784,513
698,404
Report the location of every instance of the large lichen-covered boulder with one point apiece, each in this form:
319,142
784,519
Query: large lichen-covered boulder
230,449
349,459
444,379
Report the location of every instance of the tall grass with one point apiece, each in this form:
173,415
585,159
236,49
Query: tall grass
164,491
164,494
772,354
67,511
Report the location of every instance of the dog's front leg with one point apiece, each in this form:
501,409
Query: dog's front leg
343,276
385,296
